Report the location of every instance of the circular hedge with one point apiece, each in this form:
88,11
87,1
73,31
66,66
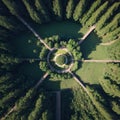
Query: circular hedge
61,59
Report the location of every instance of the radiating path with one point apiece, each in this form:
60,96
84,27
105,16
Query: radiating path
109,43
100,61
86,35
9,112
98,106
41,80
33,31
58,105
78,81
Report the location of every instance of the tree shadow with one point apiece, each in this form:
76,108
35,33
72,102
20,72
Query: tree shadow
90,44
100,91
50,85
65,29
66,100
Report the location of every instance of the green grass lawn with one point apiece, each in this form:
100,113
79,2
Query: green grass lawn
91,48
66,29
91,72
22,48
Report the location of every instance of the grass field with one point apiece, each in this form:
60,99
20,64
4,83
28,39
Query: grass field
91,72
91,48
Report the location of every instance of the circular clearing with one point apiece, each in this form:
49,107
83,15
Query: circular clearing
60,60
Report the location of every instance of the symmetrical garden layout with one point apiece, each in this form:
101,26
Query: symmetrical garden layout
55,69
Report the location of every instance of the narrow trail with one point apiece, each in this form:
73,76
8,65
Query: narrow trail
108,43
58,105
98,106
41,80
100,61
86,35
33,31
78,81
9,112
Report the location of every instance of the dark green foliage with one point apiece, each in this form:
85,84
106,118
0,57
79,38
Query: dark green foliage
63,76
114,51
7,59
82,107
42,9
43,66
69,8
51,41
92,9
57,8
110,12
110,83
111,26
10,4
80,9
111,35
43,53
5,22
74,49
116,107
97,14
112,72
110,87
98,101
32,12
43,108
17,88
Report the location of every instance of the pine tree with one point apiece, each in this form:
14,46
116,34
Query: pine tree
80,9
57,8
111,35
42,9
97,14
37,111
69,9
32,12
114,51
10,4
5,22
92,9
116,107
111,26
108,14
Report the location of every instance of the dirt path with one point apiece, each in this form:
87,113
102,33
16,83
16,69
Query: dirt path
108,43
41,80
11,110
86,35
33,31
78,81
58,105
98,106
100,61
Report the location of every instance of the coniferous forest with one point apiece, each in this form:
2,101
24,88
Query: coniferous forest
60,60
